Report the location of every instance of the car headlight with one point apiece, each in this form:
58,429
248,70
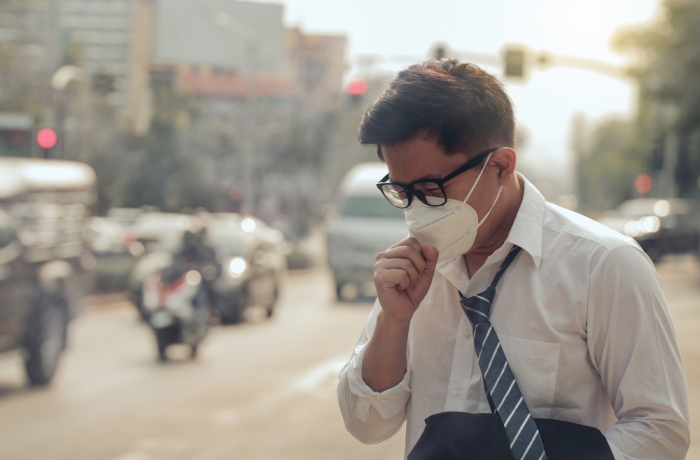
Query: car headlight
237,267
632,228
650,224
643,226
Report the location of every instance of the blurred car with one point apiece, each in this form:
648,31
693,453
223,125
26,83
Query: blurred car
126,217
105,236
253,259
660,226
44,264
364,225
250,253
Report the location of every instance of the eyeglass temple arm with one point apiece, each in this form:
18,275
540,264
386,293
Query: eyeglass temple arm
469,164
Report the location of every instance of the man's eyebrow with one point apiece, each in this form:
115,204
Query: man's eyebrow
423,177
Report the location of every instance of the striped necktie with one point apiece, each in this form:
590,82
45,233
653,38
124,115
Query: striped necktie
503,392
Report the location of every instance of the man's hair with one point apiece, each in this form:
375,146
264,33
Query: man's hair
460,106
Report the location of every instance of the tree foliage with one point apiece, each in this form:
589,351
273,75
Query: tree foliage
666,65
668,59
609,157
163,173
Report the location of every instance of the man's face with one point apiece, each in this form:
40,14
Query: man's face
418,158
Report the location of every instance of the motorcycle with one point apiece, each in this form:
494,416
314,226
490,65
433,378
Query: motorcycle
177,311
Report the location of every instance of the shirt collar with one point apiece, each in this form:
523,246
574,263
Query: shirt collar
526,232
527,227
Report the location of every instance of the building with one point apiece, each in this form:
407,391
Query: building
100,36
231,35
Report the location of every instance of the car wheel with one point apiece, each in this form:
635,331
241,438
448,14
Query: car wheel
270,309
233,314
163,339
46,339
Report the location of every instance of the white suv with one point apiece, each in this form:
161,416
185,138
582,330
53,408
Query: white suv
364,225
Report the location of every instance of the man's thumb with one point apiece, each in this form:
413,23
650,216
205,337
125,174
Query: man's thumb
431,255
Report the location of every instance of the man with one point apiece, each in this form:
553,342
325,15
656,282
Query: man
579,326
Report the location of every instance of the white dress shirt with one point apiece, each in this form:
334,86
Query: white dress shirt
585,328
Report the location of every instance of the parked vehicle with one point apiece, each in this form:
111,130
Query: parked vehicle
660,226
249,256
44,264
178,307
364,225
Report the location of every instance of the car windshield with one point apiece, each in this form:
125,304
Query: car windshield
371,207
225,241
162,232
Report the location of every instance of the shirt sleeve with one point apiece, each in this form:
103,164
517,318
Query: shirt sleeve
632,343
370,416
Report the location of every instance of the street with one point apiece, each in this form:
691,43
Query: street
260,390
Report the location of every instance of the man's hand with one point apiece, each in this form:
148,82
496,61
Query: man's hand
402,275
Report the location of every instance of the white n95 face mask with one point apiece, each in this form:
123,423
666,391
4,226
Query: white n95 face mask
450,228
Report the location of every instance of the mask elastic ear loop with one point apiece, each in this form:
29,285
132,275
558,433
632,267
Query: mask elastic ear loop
500,189
477,179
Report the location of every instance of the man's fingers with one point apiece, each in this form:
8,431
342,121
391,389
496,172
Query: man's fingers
392,278
431,256
405,252
409,241
399,264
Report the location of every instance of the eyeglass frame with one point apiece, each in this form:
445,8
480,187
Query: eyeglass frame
408,188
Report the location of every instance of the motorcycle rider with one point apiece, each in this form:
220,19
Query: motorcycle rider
195,254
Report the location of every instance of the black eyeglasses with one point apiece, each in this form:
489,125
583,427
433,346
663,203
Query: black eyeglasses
429,191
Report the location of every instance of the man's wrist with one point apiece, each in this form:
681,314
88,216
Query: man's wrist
392,324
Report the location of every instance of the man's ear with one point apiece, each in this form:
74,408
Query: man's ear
504,159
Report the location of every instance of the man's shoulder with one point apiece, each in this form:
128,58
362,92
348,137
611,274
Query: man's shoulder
567,225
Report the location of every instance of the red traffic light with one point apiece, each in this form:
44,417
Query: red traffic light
357,87
46,138
643,184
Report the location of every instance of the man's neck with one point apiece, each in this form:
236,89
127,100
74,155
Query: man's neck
499,228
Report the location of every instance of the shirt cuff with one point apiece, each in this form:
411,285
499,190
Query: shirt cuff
387,403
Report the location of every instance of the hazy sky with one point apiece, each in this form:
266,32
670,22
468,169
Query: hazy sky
547,101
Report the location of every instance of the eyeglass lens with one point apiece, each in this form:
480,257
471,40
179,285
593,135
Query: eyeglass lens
428,192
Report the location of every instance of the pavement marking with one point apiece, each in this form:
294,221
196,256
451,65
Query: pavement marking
318,374
310,381
135,456
226,417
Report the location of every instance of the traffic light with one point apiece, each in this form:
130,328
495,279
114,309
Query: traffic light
46,138
440,52
514,65
357,89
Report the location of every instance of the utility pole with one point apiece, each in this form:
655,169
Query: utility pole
251,40
52,56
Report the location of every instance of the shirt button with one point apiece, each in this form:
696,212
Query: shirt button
467,334
457,392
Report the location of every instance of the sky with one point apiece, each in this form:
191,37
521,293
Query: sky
544,103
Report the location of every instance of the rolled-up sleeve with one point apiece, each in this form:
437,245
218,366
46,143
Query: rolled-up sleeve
370,416
633,346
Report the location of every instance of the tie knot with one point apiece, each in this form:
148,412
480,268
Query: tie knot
478,307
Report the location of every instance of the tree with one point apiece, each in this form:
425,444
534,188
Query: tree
608,158
667,65
163,175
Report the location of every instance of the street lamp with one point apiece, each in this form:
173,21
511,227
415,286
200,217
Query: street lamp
59,82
